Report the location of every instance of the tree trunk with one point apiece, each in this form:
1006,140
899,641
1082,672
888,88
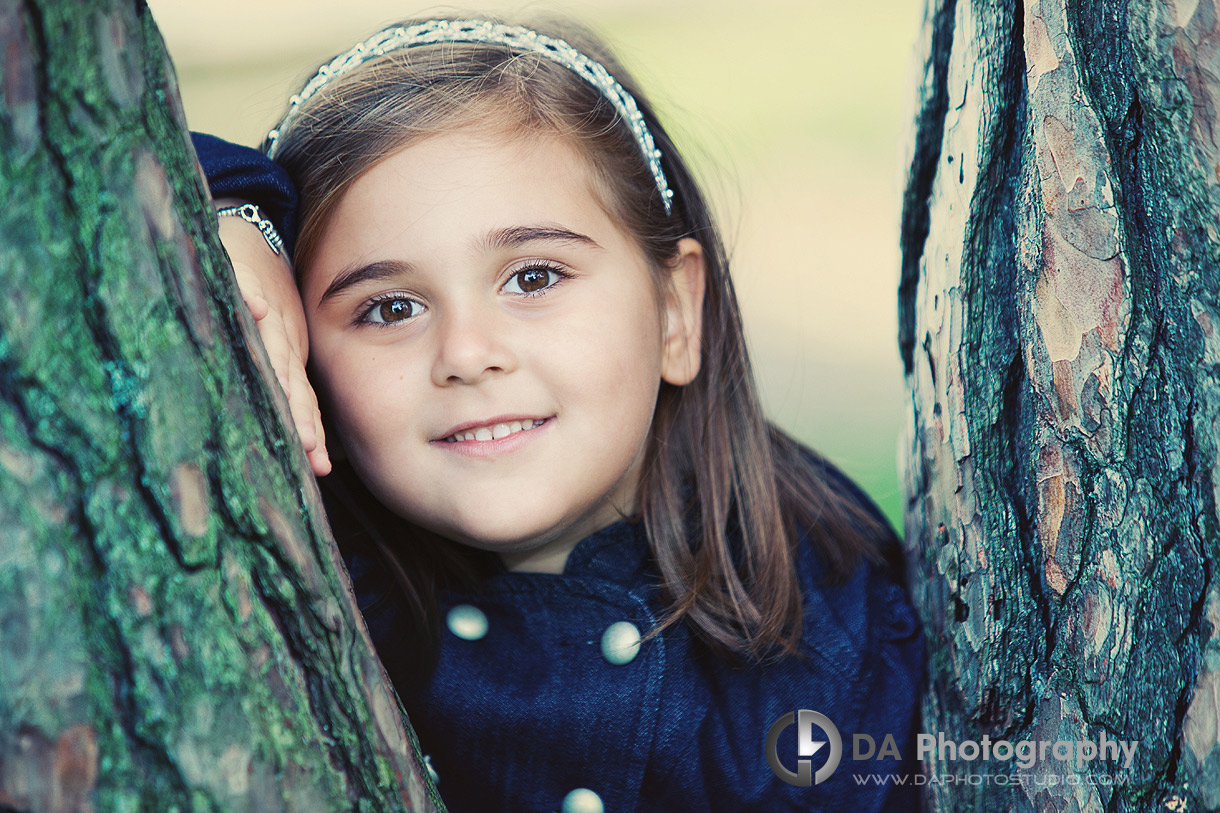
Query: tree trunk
175,629
1060,328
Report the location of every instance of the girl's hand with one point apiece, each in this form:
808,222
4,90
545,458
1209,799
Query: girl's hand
269,290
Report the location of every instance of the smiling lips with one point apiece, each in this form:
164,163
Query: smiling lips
493,431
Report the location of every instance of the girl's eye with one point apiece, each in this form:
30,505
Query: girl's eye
534,280
391,310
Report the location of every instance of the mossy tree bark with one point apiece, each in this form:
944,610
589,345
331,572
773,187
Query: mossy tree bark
175,631
1060,328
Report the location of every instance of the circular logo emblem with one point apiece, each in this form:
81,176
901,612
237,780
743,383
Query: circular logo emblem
806,746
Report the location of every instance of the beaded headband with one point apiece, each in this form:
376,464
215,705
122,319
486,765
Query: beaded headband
516,37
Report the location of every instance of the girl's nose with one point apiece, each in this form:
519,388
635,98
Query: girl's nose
472,345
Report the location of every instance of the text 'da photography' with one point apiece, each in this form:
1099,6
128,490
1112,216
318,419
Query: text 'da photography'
805,748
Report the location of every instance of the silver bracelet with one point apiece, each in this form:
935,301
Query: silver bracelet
251,214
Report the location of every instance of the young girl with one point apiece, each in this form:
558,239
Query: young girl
597,576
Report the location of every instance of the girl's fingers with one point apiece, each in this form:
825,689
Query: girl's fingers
319,461
288,364
251,291
308,418
301,402
319,458
278,347
289,367
259,308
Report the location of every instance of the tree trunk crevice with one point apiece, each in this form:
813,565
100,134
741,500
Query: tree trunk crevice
1062,464
176,628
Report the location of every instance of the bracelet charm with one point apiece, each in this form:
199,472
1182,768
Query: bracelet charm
251,214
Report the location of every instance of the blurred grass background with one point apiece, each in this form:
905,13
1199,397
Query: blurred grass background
792,112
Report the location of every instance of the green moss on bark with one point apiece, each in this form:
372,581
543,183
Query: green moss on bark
174,629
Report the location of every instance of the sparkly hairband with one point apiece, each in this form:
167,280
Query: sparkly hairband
521,39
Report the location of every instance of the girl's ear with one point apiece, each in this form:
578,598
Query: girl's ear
682,341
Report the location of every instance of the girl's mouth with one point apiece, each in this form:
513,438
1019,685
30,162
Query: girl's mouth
494,431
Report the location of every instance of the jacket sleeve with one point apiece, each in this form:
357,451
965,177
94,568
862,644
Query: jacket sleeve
234,171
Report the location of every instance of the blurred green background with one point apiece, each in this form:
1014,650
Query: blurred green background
793,113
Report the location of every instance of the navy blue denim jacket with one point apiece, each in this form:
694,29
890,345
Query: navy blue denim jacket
530,709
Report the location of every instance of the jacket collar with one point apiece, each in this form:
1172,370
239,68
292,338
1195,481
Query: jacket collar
618,553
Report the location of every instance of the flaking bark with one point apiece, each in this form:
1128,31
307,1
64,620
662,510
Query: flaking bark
1060,317
175,631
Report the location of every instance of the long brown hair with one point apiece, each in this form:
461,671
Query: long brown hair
724,495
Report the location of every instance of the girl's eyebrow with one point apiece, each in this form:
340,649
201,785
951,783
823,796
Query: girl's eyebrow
373,272
514,236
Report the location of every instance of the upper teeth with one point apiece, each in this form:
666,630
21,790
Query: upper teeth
500,430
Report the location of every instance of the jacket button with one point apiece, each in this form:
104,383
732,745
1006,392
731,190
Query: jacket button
467,622
620,643
583,800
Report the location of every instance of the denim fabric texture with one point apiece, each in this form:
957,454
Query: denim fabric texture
515,720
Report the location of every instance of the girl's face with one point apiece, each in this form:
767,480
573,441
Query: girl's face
492,344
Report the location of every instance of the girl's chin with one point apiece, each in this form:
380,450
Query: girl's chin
511,529
527,540
499,539
504,544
